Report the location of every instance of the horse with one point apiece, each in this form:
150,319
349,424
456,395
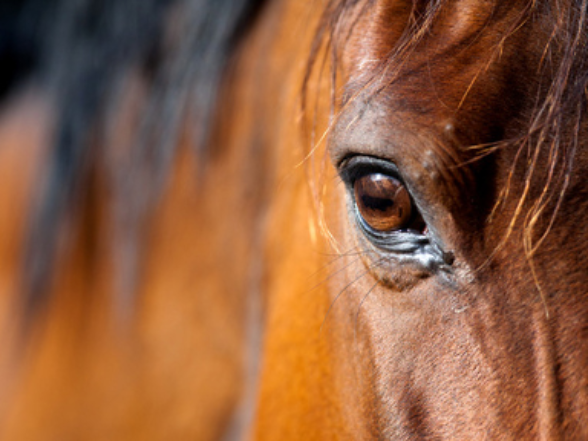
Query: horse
333,219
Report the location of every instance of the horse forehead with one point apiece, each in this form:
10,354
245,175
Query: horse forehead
376,31
465,76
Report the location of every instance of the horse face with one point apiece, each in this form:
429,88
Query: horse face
466,317
454,304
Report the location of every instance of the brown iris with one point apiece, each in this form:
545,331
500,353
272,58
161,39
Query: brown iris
383,202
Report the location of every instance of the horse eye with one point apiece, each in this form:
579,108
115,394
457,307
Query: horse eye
383,202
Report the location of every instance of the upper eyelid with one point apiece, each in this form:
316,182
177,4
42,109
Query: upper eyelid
350,170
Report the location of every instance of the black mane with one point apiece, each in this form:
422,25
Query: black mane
81,51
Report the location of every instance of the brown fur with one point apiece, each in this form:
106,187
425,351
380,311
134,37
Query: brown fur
262,311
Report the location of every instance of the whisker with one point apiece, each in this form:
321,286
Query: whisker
336,257
330,276
358,310
345,288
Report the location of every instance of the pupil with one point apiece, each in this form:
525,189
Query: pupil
382,202
376,203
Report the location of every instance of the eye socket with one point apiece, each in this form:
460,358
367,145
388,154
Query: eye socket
383,202
386,214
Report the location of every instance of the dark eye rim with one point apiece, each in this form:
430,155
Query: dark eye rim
406,248
355,167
